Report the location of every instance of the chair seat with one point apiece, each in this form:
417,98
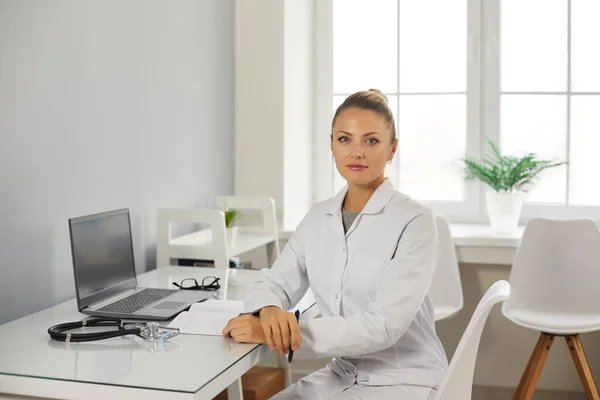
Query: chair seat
443,312
554,323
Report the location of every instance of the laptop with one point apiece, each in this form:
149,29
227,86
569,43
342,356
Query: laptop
105,278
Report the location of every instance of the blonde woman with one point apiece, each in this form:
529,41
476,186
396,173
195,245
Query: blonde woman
369,255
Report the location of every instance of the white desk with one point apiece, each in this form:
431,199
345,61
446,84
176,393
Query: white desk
186,367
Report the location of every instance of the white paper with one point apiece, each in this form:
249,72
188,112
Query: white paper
219,306
208,317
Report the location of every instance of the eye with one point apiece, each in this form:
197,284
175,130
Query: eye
372,141
343,139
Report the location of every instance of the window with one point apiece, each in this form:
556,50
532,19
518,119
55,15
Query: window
460,72
425,63
549,93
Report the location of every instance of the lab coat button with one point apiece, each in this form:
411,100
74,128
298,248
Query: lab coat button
337,295
343,249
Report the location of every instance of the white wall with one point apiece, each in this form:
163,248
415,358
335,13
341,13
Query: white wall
105,104
298,110
274,103
259,99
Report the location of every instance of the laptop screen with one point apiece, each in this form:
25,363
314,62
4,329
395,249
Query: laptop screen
102,253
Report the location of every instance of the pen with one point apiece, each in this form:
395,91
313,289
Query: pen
291,353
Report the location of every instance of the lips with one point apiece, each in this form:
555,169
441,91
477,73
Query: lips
357,167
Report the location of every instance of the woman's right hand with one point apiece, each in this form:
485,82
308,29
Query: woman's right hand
281,329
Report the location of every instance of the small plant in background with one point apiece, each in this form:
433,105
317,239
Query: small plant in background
507,173
231,216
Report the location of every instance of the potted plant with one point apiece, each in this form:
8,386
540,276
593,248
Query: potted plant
230,217
509,179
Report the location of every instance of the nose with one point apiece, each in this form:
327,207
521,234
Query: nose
357,150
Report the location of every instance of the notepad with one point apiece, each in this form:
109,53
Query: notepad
208,317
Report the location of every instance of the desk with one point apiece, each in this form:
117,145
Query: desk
186,367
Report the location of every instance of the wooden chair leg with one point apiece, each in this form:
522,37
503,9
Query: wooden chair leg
532,372
532,360
583,368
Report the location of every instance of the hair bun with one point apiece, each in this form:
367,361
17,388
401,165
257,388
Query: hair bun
379,93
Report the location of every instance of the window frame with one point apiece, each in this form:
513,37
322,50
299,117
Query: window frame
492,120
467,210
483,113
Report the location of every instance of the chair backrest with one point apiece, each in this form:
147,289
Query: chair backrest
557,267
458,383
266,205
165,250
446,287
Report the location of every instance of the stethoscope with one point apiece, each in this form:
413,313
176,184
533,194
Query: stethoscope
146,330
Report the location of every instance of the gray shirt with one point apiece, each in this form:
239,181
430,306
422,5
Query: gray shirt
348,218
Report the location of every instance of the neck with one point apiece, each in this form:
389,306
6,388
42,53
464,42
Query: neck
358,195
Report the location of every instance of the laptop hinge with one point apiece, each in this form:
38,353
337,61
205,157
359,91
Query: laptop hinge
112,299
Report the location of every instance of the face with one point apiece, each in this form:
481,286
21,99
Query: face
362,144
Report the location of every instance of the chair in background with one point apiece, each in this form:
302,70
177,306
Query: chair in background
212,243
446,288
458,383
266,224
555,277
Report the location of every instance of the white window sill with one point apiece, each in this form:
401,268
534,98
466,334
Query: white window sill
477,244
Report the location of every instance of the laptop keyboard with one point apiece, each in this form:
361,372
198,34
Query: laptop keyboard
137,301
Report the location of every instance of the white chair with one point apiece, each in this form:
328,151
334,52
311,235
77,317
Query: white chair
555,278
212,243
268,218
446,288
206,244
458,382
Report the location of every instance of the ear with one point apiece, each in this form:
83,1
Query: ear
394,147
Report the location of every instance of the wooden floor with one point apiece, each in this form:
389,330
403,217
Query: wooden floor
497,393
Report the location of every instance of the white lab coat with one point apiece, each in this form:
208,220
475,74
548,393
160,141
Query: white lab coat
371,285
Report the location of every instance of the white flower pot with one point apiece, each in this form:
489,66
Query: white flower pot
504,210
231,234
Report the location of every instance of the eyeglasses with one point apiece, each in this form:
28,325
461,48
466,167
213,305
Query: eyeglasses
209,283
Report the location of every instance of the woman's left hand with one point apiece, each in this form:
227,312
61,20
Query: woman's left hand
245,329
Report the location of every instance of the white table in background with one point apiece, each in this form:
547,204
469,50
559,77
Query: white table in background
186,367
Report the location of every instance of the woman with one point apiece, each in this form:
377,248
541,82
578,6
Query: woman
369,255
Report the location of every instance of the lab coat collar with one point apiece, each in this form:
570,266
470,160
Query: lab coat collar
376,203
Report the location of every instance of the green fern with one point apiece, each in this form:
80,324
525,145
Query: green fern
231,216
507,173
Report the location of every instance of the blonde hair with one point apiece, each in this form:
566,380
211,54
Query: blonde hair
372,100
